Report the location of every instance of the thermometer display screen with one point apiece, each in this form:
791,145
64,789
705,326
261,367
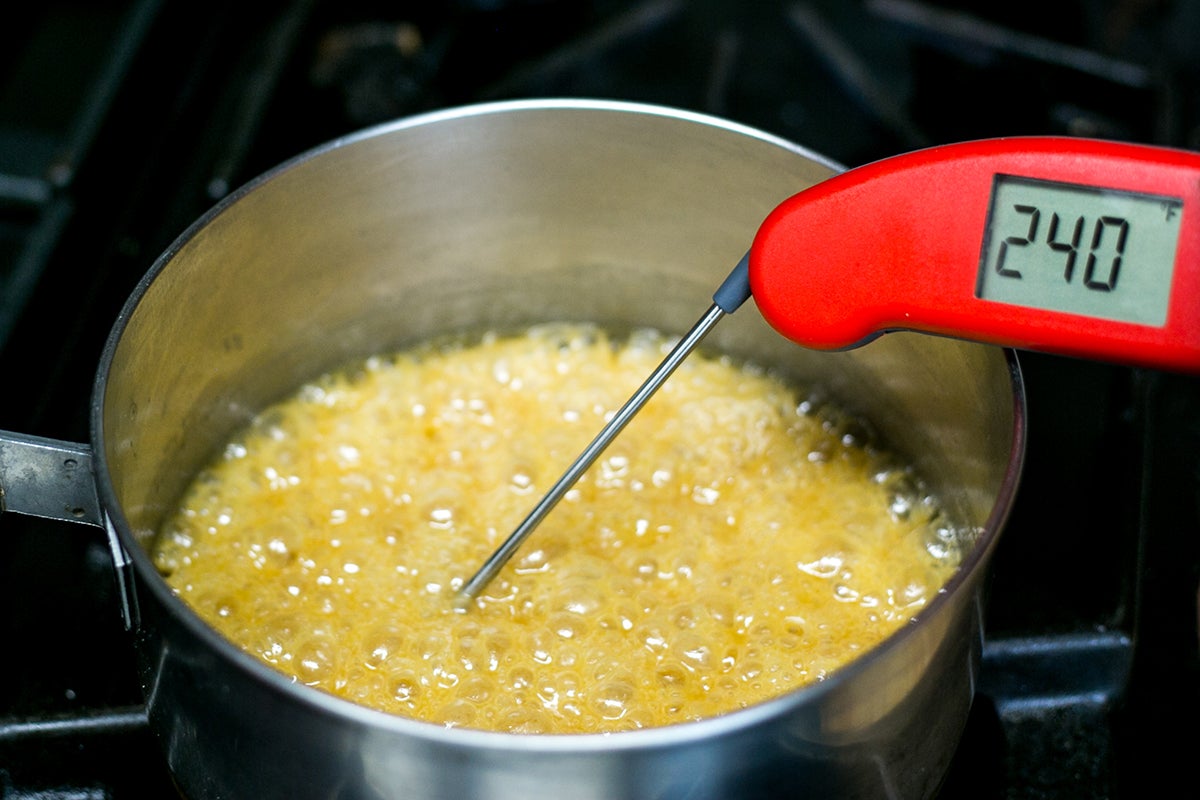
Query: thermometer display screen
1080,249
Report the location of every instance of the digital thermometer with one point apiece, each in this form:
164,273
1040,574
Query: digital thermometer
1071,246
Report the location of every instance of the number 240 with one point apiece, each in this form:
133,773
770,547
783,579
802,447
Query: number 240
1104,232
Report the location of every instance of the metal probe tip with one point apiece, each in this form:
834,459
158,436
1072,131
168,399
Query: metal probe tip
732,293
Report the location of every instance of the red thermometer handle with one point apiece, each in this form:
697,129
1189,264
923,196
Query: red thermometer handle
1072,246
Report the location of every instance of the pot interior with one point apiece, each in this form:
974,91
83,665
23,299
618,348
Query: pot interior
497,217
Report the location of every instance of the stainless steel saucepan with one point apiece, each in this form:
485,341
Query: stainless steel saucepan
501,215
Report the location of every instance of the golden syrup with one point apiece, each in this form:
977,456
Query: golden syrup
733,543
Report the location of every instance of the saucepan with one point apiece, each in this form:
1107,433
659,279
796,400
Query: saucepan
501,215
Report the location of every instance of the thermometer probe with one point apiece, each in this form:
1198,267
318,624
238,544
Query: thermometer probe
1078,247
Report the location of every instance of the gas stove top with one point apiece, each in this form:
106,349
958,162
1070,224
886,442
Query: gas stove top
122,122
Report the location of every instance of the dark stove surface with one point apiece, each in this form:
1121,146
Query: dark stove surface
121,122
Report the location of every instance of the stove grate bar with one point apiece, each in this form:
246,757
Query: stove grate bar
93,723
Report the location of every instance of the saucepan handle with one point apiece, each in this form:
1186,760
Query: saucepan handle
48,478
55,480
